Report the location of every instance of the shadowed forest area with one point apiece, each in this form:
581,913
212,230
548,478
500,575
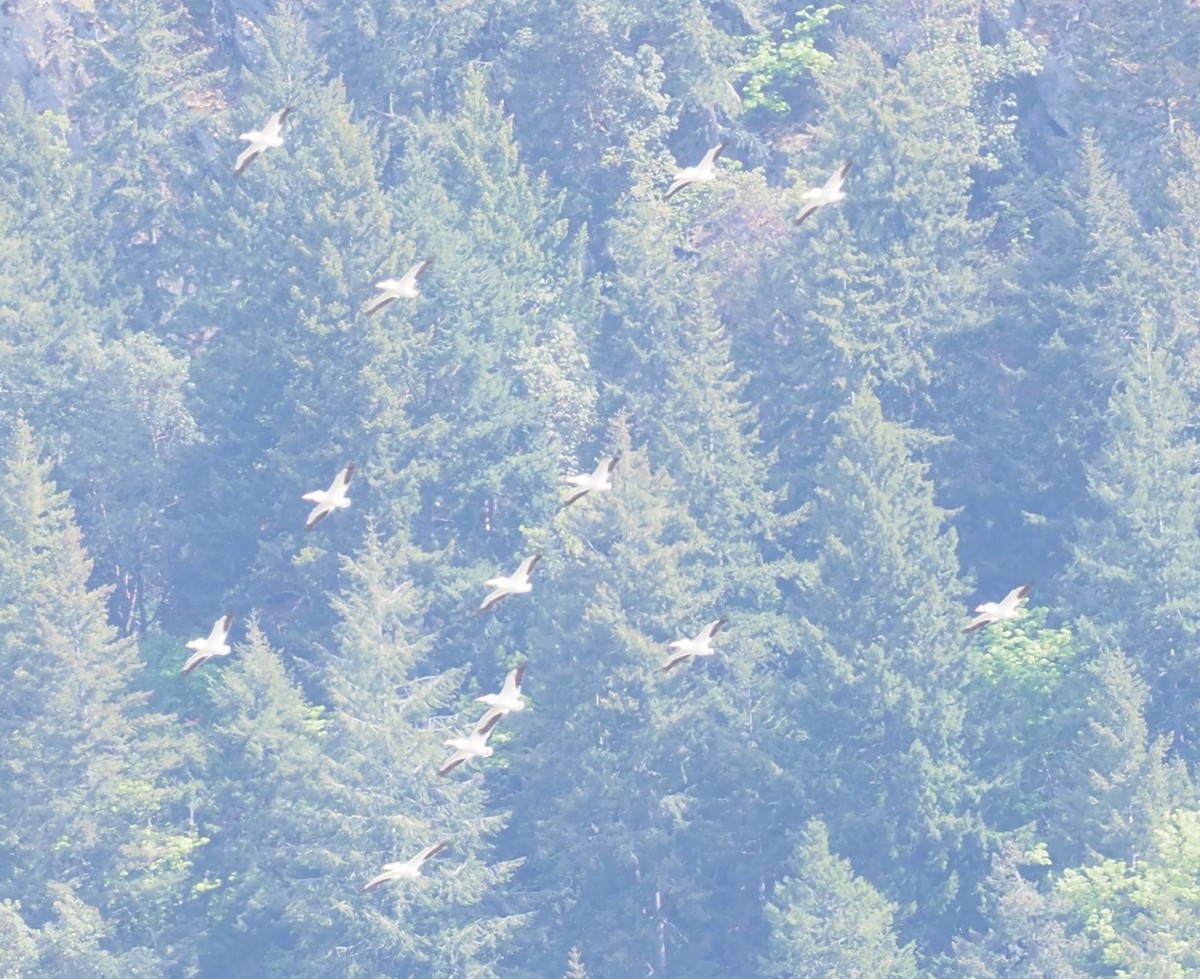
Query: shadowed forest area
980,369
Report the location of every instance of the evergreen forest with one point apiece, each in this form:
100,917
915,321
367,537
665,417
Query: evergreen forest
975,368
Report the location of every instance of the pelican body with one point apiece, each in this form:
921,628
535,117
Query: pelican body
701,645
327,501
701,173
517,583
215,645
261,140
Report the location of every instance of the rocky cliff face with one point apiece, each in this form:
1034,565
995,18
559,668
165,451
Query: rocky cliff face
39,50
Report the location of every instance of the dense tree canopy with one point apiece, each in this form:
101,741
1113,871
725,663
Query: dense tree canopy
978,369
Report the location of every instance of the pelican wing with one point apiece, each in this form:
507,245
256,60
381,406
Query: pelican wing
512,682
675,660
378,303
681,181
453,762
220,629
274,125
978,623
411,276
1013,597
834,183
493,597
711,156
577,495
807,211
246,157
319,513
711,629
195,661
431,851
527,566
342,479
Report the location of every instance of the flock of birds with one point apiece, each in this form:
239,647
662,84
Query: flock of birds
510,700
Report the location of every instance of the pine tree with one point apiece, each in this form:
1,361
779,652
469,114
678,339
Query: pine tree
92,778
271,867
140,118
1028,935
883,670
825,921
1115,780
638,789
1135,576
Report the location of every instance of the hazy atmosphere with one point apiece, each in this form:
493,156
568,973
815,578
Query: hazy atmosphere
550,489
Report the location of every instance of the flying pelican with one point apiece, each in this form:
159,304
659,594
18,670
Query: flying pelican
831,193
409,869
600,480
509,699
327,501
214,645
270,136
1001,611
701,173
700,646
403,288
515,584
474,745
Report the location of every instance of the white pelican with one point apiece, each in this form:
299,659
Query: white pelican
831,193
409,869
270,136
600,481
701,173
1001,611
700,646
474,745
515,584
327,501
214,645
509,699
403,288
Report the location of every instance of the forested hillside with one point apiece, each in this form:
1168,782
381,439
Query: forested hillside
738,725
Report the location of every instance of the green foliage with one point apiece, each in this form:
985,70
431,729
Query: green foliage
774,70
984,358
1029,935
1140,919
883,667
1116,780
1135,574
1025,696
91,776
825,921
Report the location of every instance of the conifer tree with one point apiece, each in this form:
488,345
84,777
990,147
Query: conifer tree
286,406
140,117
271,867
497,382
1135,576
1116,781
1028,935
638,786
390,719
825,921
1048,362
883,669
92,778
